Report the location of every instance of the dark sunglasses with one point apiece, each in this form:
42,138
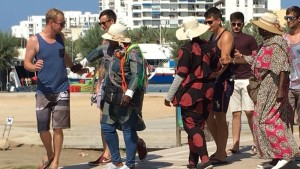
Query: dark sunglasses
62,24
236,24
289,18
103,23
208,22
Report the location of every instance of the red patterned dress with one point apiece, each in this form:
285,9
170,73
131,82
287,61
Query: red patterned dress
272,134
197,61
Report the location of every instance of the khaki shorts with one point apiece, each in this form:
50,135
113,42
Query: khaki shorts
240,100
57,105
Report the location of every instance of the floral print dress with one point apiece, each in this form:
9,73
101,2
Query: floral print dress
272,134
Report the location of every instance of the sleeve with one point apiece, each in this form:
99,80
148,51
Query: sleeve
253,44
136,69
184,63
280,58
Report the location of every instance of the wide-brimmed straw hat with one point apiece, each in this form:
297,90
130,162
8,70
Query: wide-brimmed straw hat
190,28
116,32
268,21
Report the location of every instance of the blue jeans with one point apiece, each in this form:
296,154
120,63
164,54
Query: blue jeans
130,138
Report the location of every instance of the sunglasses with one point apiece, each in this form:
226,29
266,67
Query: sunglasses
208,22
103,23
236,24
289,18
62,24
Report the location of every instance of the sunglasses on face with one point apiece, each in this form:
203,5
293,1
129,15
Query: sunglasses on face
236,24
62,24
208,22
289,18
103,23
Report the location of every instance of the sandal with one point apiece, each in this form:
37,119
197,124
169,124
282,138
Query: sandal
215,161
254,149
45,164
232,151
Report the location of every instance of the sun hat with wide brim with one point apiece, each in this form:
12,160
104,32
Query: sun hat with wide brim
268,21
190,29
116,32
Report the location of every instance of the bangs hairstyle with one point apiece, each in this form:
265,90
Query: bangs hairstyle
109,13
213,12
237,16
52,14
293,9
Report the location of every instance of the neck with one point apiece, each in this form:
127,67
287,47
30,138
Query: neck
218,31
295,30
49,33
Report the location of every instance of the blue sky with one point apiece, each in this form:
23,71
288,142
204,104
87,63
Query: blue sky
14,11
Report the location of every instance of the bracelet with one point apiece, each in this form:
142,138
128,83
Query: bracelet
241,55
233,61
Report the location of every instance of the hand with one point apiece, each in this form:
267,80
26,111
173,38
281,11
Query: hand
38,65
83,70
125,100
214,75
279,97
237,53
167,103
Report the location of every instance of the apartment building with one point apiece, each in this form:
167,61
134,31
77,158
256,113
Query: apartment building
169,13
76,24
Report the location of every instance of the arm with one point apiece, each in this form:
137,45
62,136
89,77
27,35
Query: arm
226,45
183,69
283,85
31,51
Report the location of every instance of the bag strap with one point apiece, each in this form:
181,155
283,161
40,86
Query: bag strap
265,75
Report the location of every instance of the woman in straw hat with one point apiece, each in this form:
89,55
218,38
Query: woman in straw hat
272,133
192,88
123,95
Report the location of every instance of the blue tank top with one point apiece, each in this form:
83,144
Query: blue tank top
229,72
52,78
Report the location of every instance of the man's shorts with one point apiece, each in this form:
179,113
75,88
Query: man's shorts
57,105
294,98
240,100
223,91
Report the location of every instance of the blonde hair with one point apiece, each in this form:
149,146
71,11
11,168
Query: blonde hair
52,14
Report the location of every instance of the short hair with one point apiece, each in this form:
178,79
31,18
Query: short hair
109,13
213,12
293,9
237,16
52,14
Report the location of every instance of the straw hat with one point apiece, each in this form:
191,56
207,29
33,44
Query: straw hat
116,32
190,28
268,21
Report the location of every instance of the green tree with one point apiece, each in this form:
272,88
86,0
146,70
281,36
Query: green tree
89,41
8,49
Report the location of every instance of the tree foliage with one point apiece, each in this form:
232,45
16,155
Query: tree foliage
8,49
89,41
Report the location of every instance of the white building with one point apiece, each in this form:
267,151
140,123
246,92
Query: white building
169,13
74,20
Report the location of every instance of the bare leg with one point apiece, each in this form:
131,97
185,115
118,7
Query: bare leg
106,152
236,129
47,142
222,135
212,126
58,138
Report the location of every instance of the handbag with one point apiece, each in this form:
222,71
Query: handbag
254,85
113,94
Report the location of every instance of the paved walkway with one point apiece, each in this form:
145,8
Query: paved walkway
160,134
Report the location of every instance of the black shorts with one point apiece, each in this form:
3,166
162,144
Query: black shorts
223,91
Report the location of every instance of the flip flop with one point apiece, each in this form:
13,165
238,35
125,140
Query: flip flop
215,161
254,149
45,164
232,151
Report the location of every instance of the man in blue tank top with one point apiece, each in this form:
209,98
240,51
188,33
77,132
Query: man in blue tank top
52,96
293,38
224,45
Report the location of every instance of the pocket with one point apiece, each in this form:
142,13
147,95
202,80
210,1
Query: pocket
113,95
61,52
